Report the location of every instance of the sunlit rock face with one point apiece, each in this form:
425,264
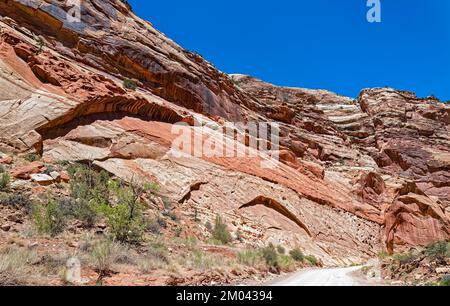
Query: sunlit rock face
352,177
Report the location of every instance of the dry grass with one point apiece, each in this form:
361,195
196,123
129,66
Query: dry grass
15,266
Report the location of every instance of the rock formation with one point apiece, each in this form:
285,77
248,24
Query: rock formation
354,176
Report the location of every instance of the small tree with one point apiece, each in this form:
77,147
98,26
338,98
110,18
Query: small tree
281,249
312,260
129,84
125,216
4,181
17,201
88,189
40,44
49,218
220,231
439,250
32,157
270,255
445,281
297,255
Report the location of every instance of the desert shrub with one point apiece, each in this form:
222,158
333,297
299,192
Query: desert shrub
31,157
270,255
96,195
438,251
220,231
208,226
89,189
297,255
249,257
4,181
312,260
124,217
238,236
148,264
129,84
2,169
445,281
17,201
171,215
153,225
52,263
86,183
156,257
127,4
404,258
84,211
281,249
40,44
382,255
103,257
14,266
49,218
203,261
286,263
125,225
191,243
162,223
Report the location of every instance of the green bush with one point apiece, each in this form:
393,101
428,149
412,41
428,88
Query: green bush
89,189
128,5
171,215
312,260
445,281
159,252
4,181
17,201
40,44
50,218
297,255
105,254
249,257
86,183
153,225
405,258
129,84
96,195
286,263
438,251
208,226
124,217
270,255
32,157
281,250
220,231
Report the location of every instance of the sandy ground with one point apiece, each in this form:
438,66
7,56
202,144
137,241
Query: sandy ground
323,277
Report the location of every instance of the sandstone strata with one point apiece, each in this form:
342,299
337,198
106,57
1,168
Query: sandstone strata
354,176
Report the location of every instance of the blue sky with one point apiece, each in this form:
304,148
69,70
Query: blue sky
324,44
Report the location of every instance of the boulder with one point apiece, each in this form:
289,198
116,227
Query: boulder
55,175
7,160
26,171
42,179
5,227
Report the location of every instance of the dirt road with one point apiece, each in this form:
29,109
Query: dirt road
323,277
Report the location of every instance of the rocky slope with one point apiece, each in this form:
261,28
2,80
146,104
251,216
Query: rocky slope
354,177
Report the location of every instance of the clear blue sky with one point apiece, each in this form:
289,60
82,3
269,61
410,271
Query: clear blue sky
316,43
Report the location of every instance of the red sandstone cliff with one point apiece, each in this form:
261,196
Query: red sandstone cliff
355,176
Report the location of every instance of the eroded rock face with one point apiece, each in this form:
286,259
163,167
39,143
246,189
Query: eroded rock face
354,176
112,39
384,148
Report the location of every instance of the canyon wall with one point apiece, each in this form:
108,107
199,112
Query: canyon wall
354,177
